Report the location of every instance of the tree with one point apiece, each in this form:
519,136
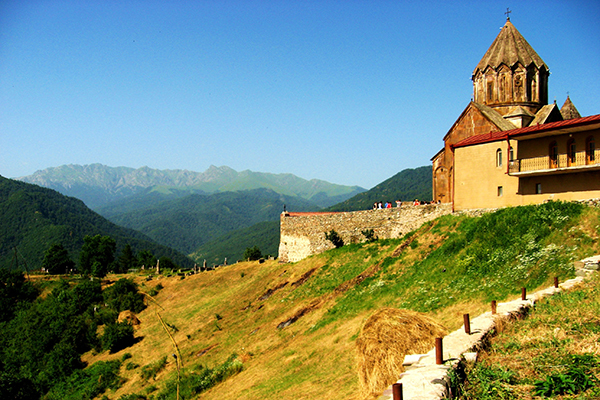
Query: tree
124,295
97,255
252,253
167,263
127,259
117,336
334,238
15,292
147,259
57,260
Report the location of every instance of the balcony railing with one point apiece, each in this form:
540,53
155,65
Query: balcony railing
561,162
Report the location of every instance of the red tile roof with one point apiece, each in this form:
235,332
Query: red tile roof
515,133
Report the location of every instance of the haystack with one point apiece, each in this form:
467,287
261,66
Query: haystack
385,338
129,317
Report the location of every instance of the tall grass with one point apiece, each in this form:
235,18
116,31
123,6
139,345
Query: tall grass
554,352
457,258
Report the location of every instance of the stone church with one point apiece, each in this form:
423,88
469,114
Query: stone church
509,146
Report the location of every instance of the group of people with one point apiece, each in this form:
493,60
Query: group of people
380,205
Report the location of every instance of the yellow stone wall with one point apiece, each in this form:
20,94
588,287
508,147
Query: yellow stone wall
477,177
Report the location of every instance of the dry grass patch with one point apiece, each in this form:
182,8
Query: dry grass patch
386,337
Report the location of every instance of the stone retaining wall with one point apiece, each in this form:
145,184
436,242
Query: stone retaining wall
303,234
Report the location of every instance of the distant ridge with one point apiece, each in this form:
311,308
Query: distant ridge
406,185
98,185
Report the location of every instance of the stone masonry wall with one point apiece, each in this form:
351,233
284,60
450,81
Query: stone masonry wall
303,234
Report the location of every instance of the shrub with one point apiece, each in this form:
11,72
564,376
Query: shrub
124,295
150,370
575,378
369,235
334,238
252,253
117,336
88,383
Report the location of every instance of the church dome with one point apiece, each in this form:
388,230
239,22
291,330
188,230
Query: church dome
511,74
510,48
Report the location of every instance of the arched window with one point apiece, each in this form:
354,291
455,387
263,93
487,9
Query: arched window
590,150
571,152
499,158
553,152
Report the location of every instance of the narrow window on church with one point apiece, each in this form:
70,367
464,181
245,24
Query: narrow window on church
500,191
499,158
490,91
590,150
538,188
571,152
553,150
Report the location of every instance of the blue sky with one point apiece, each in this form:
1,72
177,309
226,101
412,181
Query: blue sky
351,92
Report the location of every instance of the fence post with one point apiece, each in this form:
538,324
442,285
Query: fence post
523,294
493,307
556,282
467,323
397,391
439,352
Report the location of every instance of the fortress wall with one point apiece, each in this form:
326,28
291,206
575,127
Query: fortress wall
303,234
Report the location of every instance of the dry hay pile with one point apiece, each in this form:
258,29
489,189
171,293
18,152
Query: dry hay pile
129,317
385,338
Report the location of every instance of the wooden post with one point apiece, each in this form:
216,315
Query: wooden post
439,351
523,294
467,322
397,391
556,282
493,307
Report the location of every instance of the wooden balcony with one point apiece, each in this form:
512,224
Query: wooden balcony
546,165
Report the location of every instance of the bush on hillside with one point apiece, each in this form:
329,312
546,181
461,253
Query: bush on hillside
117,336
334,238
124,295
252,253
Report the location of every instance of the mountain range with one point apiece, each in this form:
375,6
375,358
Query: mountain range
219,213
99,185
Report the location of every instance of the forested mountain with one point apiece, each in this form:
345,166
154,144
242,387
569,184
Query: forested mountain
32,218
406,185
264,235
98,185
189,222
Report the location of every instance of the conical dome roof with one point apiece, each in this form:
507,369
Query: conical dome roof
509,48
568,110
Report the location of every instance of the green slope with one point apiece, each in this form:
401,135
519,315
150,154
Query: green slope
407,185
450,266
32,218
264,235
192,221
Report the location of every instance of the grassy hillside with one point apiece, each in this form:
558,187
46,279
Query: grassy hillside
406,185
32,218
293,327
554,353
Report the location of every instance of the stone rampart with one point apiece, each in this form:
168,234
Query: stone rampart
303,234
